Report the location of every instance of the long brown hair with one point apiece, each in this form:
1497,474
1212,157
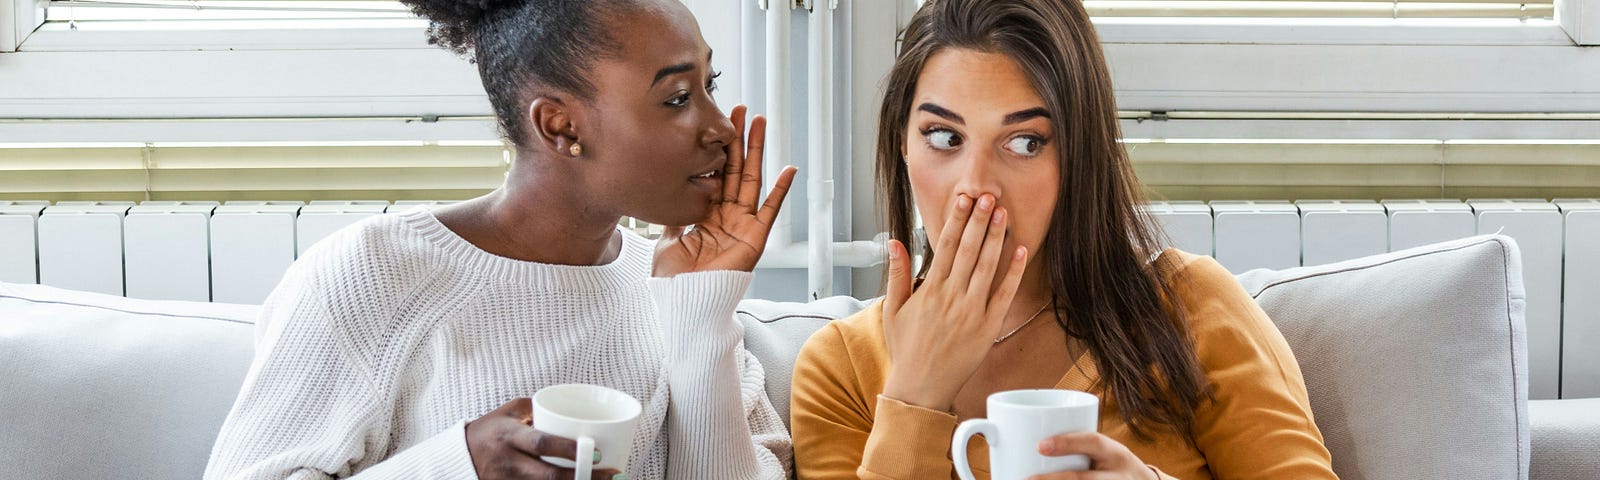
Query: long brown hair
1099,246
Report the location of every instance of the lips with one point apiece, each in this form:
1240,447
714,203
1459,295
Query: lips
709,182
712,171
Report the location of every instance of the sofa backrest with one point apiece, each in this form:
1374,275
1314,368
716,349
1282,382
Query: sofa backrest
1414,361
775,331
96,386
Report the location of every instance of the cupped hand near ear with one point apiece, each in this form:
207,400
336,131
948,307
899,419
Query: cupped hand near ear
733,236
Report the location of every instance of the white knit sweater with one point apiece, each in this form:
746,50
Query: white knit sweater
385,338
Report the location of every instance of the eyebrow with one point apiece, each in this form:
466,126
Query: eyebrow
1024,115
676,69
1014,117
942,112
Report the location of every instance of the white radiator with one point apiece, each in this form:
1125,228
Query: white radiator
80,246
166,251
236,252
252,244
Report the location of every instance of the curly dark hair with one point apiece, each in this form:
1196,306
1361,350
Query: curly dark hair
524,48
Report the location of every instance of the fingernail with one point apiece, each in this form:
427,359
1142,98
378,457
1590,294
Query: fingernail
985,202
1021,252
1044,448
597,456
894,253
999,217
964,202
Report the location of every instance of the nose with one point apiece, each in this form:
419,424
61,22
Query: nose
977,175
718,131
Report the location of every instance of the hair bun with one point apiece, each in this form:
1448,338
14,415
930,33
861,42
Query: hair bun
453,23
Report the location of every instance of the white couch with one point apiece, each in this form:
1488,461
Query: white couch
1414,360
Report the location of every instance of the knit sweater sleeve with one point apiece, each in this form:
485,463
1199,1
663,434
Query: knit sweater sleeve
310,408
720,423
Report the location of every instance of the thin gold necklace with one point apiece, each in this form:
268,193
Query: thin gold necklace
1024,324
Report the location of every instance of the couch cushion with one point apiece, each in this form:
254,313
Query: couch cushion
98,386
1415,360
1566,438
774,332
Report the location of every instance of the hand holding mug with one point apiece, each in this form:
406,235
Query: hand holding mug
1022,423
504,445
939,334
1108,458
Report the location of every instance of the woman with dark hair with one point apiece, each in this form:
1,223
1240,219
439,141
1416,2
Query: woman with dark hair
1000,128
406,345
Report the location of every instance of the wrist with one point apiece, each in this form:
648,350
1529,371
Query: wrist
914,394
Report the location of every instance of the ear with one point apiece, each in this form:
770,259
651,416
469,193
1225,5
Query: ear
553,122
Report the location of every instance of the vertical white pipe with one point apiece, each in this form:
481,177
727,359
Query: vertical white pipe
751,92
778,101
819,168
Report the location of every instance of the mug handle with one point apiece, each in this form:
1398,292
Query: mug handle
964,433
583,464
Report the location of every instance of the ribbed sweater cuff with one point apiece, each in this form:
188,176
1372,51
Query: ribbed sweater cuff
908,442
443,456
696,311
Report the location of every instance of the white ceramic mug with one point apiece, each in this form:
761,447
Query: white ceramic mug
600,419
1018,421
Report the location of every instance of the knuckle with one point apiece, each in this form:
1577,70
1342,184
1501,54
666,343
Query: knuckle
983,271
1100,442
534,469
508,467
516,407
546,444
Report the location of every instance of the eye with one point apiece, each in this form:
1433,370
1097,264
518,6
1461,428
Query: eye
1026,145
679,100
711,84
941,139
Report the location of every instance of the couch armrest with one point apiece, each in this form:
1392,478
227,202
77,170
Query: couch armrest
1566,438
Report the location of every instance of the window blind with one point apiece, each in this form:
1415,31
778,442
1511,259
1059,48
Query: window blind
377,170
89,10
239,9
1529,9
1172,169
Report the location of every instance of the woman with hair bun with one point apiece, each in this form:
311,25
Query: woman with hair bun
405,346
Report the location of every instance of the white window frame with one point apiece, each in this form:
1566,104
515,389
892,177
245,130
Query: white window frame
312,69
224,35
18,18
1580,19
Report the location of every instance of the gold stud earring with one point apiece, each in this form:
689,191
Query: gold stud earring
576,150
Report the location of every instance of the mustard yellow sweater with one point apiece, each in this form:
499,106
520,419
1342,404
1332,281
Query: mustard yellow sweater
1258,427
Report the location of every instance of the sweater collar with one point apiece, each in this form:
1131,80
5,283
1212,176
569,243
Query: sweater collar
629,269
